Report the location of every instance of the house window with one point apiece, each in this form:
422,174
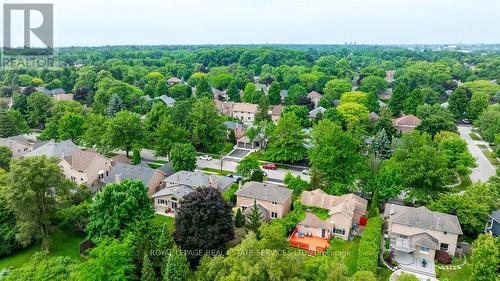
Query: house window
73,178
424,250
339,231
174,205
274,203
444,247
274,215
173,199
307,227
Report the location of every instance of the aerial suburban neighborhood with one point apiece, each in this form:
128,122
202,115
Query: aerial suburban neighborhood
160,159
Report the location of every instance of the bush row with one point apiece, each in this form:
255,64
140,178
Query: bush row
369,246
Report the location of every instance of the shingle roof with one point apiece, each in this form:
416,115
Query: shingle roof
496,215
314,95
178,191
425,240
245,107
277,109
193,179
313,113
407,120
346,204
168,101
314,221
120,158
284,93
125,172
264,191
423,218
167,169
54,149
81,159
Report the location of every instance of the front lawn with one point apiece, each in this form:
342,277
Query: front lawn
229,193
465,182
475,136
455,275
64,243
217,171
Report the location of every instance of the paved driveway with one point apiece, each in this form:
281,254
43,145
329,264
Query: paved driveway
484,169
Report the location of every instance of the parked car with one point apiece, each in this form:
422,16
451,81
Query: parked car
270,166
466,121
205,157
306,172
236,178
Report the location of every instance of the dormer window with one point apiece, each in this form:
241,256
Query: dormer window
274,203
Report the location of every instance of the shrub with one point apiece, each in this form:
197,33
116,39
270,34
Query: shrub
369,246
443,257
237,219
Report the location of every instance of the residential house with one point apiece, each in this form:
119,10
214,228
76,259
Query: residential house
276,112
85,166
20,145
54,149
120,158
7,102
389,76
219,95
346,214
272,200
63,97
315,97
283,95
239,130
493,224
417,233
245,142
262,87
317,112
406,123
182,183
244,112
151,178
168,101
224,108
173,80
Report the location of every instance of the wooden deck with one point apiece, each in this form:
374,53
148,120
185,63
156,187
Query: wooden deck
312,244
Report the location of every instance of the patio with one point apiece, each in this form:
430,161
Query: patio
408,262
312,244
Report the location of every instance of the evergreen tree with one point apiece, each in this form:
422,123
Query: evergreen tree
136,156
176,267
398,98
232,137
385,122
203,89
254,218
317,179
238,222
233,92
274,93
382,145
262,110
115,105
148,271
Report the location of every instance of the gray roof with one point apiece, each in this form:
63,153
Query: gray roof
125,172
263,212
264,191
425,240
496,215
284,93
178,191
313,113
198,179
230,124
167,169
54,149
423,218
168,101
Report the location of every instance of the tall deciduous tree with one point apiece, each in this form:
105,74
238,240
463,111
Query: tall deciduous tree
286,144
203,89
125,131
5,156
274,93
183,157
398,99
95,135
205,126
166,135
33,185
12,123
247,167
459,102
204,222
116,208
39,106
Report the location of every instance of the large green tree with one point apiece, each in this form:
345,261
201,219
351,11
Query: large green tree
459,102
183,157
12,123
205,126
125,131
39,106
286,144
485,259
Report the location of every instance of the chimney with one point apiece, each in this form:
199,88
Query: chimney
118,178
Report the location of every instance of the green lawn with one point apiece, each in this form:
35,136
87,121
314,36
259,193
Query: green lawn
229,192
154,165
348,250
160,219
384,274
493,160
475,136
463,185
455,275
217,171
65,243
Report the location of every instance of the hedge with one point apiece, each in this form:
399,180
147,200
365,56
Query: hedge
369,246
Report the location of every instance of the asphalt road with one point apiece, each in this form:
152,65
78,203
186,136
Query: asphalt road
484,169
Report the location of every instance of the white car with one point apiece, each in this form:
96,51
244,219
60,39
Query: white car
306,172
205,157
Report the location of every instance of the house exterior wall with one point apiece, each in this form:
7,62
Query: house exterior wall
314,231
341,221
280,209
155,182
166,206
244,116
19,149
89,176
448,238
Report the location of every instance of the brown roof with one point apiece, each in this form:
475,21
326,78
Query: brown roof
120,158
346,203
245,107
315,95
314,221
277,109
407,120
80,160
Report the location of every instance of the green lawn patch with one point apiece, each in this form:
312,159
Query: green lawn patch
161,219
229,193
154,165
64,243
455,275
160,161
463,185
228,147
321,213
475,136
217,171
346,249
491,157
384,274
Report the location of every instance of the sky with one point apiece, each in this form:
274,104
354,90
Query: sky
181,22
